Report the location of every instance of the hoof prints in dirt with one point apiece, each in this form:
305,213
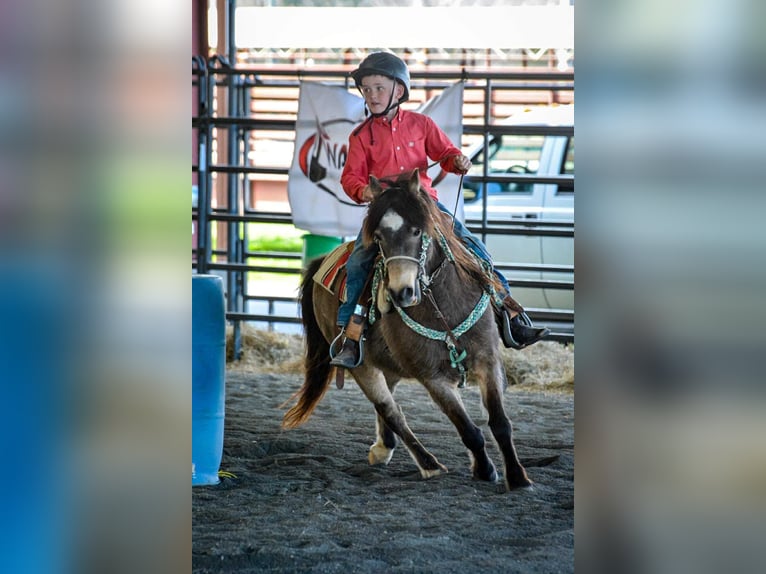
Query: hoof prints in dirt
307,500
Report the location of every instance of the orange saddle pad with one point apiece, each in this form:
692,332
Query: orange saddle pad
332,273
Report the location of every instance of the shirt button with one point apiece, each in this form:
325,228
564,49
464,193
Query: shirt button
393,129
401,168
398,148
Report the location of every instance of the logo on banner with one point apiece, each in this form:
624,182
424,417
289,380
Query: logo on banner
323,154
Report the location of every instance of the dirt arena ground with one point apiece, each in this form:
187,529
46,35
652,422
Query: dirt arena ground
306,500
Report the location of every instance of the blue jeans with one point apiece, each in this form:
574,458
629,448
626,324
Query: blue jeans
361,259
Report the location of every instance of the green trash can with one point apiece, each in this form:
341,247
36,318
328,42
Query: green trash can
317,245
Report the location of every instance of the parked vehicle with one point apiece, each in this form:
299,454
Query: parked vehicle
534,155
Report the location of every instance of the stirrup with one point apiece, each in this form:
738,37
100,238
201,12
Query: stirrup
506,331
334,354
335,341
524,318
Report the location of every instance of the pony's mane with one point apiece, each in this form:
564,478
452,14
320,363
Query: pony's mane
417,209
466,263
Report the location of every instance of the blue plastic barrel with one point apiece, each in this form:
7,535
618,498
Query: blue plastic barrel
208,377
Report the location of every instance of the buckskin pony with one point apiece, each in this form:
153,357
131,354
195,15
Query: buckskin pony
433,321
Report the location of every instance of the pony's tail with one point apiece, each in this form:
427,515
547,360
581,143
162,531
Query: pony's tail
318,371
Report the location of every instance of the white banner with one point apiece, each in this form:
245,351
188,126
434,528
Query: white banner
326,117
446,110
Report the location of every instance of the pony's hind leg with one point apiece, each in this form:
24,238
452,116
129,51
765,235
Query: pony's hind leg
375,388
445,395
500,425
383,448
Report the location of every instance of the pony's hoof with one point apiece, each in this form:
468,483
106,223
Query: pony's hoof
487,477
527,486
430,473
486,473
380,454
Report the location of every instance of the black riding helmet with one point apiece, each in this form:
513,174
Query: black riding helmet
384,64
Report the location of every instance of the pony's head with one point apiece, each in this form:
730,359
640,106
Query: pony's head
398,219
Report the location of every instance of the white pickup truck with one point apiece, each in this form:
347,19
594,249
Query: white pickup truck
538,155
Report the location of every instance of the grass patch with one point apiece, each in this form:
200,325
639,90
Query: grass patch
274,237
270,262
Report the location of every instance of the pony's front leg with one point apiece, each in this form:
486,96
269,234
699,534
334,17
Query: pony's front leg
500,424
374,386
444,394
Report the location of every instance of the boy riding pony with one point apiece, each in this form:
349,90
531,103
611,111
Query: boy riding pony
392,141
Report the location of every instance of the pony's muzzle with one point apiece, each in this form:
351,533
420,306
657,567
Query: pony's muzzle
403,285
407,296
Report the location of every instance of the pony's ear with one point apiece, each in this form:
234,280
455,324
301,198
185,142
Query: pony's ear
415,181
375,186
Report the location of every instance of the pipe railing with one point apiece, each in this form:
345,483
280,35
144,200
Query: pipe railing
236,260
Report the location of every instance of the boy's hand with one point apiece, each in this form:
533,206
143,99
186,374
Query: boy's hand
462,163
367,194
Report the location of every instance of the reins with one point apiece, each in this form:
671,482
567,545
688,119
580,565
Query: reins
459,185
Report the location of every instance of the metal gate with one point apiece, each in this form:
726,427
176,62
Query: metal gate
237,110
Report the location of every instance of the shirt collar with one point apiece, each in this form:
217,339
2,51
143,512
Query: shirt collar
395,119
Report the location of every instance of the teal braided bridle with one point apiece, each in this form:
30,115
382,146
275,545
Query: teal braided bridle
449,336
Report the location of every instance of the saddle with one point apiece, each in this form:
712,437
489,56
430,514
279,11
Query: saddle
332,273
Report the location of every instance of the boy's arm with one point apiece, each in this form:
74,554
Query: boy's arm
440,146
355,173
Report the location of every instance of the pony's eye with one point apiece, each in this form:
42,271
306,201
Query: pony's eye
377,237
415,231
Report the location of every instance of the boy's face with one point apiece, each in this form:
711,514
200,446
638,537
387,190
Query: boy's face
377,92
